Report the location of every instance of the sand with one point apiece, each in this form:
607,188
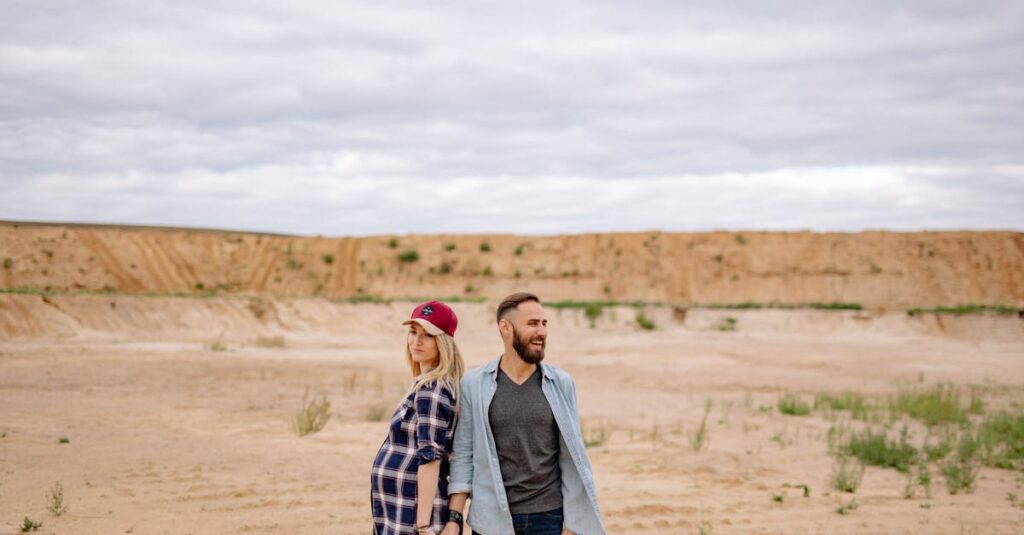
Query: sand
167,433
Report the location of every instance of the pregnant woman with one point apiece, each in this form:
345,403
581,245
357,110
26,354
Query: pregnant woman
409,480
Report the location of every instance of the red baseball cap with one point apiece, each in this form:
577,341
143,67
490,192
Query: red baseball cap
436,317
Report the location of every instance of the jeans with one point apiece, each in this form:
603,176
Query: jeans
546,523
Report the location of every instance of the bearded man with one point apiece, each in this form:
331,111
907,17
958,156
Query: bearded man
518,450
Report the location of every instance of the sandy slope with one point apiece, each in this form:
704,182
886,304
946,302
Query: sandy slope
169,436
877,269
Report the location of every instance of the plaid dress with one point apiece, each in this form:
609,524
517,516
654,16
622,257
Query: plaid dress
422,430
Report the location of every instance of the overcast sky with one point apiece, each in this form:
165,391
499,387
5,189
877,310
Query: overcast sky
340,118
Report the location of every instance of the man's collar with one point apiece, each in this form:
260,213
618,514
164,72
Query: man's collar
492,368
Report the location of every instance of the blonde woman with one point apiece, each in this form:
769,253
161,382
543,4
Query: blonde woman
409,480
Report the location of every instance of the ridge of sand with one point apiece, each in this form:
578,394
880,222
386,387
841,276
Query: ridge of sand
881,270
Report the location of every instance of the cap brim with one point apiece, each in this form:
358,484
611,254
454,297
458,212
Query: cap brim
432,330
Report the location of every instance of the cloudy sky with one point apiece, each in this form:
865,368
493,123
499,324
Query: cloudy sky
337,118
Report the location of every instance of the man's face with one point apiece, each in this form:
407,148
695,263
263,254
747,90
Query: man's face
529,331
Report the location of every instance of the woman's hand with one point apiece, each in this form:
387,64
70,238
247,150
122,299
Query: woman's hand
450,528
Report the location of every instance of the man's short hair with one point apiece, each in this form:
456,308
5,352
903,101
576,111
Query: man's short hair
513,301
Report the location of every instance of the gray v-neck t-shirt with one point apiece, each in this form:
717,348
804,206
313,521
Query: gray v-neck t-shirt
526,437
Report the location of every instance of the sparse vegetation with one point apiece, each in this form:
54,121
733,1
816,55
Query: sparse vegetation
376,412
846,474
959,310
328,259
449,247
940,404
846,400
216,346
8,262
312,416
275,342
594,436
485,247
409,255
593,311
393,243
727,324
519,250
644,322
747,305
28,525
55,500
63,440
874,448
793,405
699,438
962,469
740,239
846,508
1001,440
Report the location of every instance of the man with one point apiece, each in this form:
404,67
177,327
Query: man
518,449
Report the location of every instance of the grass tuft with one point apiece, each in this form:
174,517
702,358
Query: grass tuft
594,436
408,256
699,439
644,322
939,404
846,473
28,525
55,500
312,416
275,342
874,448
792,405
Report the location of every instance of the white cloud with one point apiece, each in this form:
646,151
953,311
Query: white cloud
592,116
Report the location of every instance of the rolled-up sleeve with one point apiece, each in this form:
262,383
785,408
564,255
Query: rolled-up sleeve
434,413
461,477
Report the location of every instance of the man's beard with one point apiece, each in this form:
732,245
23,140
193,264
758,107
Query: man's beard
522,347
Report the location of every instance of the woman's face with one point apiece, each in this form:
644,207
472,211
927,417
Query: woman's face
422,346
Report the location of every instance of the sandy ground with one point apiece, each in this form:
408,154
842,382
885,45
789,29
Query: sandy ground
169,436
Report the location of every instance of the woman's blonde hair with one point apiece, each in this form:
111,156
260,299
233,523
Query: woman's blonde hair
449,366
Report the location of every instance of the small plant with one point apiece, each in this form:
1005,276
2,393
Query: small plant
328,259
409,255
276,342
393,243
312,416
487,272
28,525
706,526
937,405
846,400
728,324
55,500
519,250
449,247
962,470
216,346
200,286
779,498
485,247
740,239
593,311
644,322
846,474
63,440
699,438
468,289
8,262
846,508
922,479
594,436
794,406
874,448
376,412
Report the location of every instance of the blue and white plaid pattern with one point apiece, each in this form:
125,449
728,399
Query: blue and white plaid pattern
422,430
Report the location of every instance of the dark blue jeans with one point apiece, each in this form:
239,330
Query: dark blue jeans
546,523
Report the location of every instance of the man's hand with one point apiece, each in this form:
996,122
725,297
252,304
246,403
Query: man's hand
567,532
451,528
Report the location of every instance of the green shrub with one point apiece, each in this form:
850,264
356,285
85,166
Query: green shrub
937,405
55,500
846,474
393,243
449,247
30,525
485,247
875,449
644,322
409,255
794,406
1001,439
8,262
328,259
594,436
959,310
593,311
519,250
728,324
962,468
846,400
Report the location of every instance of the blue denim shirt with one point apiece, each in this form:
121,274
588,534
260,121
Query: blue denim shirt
474,462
